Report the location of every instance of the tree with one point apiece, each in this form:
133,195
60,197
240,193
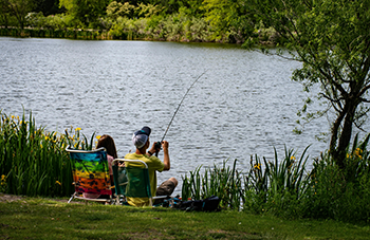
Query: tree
4,14
47,7
18,8
332,40
229,19
117,9
85,11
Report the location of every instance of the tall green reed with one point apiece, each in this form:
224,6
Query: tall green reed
267,183
224,182
34,161
275,185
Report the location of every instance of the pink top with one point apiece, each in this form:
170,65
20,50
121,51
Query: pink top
110,161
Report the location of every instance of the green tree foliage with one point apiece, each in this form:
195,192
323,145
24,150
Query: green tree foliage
332,40
229,19
117,9
86,11
47,7
169,6
4,14
17,8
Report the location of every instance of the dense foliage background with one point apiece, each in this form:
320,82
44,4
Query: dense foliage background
193,20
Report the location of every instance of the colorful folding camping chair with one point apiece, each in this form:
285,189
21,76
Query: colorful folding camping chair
91,175
132,182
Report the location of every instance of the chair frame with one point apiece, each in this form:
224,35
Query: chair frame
151,198
75,194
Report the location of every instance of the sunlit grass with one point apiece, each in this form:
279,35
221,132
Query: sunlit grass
37,218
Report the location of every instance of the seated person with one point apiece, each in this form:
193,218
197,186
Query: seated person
141,141
106,142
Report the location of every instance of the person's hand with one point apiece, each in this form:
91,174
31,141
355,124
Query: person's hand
154,148
165,145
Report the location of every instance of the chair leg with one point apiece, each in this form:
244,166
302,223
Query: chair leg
73,196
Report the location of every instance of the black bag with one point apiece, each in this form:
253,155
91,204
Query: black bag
206,205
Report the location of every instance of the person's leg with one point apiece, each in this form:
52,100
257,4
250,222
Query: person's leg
166,188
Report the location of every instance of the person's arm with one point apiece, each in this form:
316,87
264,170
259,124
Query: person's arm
166,158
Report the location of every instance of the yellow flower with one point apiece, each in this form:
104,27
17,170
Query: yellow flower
57,182
98,137
12,116
358,152
78,129
292,158
3,178
258,166
46,138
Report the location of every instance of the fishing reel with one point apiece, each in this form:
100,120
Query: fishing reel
158,147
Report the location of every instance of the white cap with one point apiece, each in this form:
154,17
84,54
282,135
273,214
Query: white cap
139,138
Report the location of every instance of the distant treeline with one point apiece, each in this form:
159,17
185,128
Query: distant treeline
168,20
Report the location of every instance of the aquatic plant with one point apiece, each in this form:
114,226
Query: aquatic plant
221,181
284,187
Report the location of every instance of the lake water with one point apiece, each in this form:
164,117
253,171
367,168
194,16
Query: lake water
244,104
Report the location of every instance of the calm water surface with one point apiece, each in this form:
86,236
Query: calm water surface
244,104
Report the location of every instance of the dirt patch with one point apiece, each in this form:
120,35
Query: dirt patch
13,198
9,198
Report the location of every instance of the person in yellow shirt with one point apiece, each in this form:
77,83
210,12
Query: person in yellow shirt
141,141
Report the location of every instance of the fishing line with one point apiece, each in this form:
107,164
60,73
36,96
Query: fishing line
158,144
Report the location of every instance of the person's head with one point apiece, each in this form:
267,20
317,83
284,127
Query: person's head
107,142
141,138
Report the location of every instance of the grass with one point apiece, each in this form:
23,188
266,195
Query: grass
42,218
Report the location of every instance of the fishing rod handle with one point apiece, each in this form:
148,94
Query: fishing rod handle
157,146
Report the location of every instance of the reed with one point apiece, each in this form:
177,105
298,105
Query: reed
34,161
224,182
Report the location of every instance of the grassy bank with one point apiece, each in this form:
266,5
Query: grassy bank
41,218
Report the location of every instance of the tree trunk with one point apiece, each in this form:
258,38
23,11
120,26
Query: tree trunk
339,152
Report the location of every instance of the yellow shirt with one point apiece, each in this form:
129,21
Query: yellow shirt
154,164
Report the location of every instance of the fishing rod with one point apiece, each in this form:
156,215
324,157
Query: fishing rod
158,144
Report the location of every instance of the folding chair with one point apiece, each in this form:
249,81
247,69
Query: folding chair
91,174
132,182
